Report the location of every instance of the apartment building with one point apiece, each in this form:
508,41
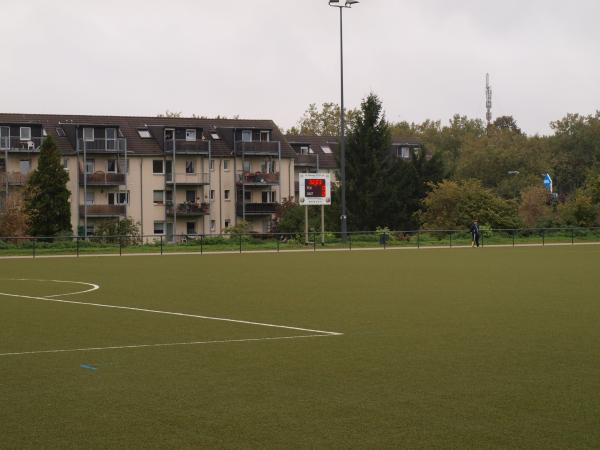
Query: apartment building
175,176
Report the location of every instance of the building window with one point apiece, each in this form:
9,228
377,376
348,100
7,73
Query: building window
158,197
144,134
169,197
326,149
60,132
247,166
189,167
212,164
91,229
212,194
89,198
247,136
111,139
159,228
25,133
190,135
305,150
4,137
190,196
227,194
405,152
227,223
265,136
213,225
65,163
118,198
90,166
248,196
158,167
215,136
190,228
225,164
24,166
88,134
269,197
111,166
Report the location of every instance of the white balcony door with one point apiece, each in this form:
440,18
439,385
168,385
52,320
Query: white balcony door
4,137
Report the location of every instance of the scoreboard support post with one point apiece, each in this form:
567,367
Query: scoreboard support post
315,189
306,225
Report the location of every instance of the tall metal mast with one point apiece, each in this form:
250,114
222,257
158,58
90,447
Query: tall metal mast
488,99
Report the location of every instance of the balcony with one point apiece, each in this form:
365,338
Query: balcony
188,209
14,144
118,145
259,148
306,160
103,210
102,179
258,179
188,179
183,146
256,209
13,179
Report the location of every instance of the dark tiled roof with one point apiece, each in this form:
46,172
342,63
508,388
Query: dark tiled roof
130,125
316,144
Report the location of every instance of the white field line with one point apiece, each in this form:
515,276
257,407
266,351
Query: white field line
120,347
94,287
169,313
307,250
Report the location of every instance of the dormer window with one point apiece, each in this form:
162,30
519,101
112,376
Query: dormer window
144,133
305,150
215,136
60,132
265,136
247,136
88,134
190,134
326,149
25,133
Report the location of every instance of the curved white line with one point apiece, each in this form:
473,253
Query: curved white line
94,287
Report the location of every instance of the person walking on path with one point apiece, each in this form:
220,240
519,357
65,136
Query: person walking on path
475,233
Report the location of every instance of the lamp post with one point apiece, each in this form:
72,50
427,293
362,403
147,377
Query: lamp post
341,6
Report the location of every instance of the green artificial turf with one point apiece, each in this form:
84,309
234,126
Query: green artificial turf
463,348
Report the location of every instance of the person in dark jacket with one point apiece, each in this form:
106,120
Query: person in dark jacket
475,233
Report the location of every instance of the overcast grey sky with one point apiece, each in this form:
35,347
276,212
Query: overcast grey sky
270,59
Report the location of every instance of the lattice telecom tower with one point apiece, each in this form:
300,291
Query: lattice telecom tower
488,99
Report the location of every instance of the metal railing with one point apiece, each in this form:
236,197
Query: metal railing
188,209
103,210
103,145
257,148
13,179
20,145
258,178
256,208
185,146
187,178
281,242
102,179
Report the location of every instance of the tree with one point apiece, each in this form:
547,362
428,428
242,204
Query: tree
535,210
454,204
125,231
13,220
579,210
171,114
322,122
507,123
47,196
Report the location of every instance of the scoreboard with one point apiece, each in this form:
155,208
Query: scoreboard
315,189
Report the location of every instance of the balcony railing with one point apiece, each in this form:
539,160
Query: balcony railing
257,148
256,209
188,178
103,210
13,179
102,179
185,146
15,144
188,209
258,178
103,145
306,160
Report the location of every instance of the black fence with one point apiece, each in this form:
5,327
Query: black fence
281,242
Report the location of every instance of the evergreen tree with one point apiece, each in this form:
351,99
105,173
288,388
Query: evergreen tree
370,190
47,196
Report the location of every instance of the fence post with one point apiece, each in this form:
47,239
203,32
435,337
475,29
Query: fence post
350,240
451,239
240,242
513,236
419,239
120,245
572,236
482,239
278,239
543,238
201,244
34,241
314,241
161,245
77,245
384,240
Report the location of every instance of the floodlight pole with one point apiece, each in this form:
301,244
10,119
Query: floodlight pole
343,218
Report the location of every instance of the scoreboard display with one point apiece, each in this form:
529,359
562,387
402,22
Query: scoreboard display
315,189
